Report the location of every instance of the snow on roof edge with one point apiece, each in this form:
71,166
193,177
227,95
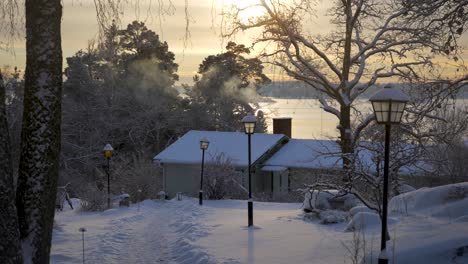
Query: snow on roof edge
186,150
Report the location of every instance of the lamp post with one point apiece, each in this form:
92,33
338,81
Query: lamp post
108,153
389,105
203,146
249,122
83,230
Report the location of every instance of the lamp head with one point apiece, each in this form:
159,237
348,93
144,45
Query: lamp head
249,122
204,143
108,150
389,104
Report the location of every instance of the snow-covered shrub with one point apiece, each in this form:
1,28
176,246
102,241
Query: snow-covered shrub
457,192
332,216
124,199
315,199
221,180
349,201
404,188
362,220
92,199
328,199
438,200
141,179
360,208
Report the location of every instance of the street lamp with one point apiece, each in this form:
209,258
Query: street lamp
388,104
108,153
249,122
203,146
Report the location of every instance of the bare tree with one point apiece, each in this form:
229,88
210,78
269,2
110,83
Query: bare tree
222,180
371,41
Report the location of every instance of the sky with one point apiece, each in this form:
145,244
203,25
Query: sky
79,26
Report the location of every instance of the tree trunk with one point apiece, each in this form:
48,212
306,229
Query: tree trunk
346,144
10,247
40,137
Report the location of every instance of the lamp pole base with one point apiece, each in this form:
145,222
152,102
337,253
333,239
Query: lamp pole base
383,261
383,258
200,197
250,212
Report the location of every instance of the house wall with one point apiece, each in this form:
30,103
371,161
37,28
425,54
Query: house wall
275,181
299,177
181,178
186,179
258,180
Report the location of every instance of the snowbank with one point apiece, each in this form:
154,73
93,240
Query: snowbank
364,220
358,209
328,199
442,201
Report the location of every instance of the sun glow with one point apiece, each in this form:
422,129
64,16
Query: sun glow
249,9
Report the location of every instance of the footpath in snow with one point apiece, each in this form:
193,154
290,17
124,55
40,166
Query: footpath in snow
426,226
154,232
183,232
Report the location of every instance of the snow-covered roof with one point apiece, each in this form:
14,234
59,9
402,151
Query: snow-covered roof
232,145
307,153
274,168
324,154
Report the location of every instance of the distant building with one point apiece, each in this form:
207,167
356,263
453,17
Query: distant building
279,164
181,161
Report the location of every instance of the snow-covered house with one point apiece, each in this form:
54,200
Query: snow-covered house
301,160
305,160
181,161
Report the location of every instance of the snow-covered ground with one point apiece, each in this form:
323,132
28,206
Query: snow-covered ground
183,232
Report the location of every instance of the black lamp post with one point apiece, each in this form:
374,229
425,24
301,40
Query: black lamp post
249,122
83,230
108,153
389,105
203,146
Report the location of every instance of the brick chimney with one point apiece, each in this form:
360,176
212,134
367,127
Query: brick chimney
282,125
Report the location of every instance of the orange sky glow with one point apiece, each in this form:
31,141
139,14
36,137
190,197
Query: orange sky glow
79,26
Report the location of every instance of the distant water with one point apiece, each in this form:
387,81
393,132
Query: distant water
308,118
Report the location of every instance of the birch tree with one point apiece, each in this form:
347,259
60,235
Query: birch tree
41,126
370,42
40,137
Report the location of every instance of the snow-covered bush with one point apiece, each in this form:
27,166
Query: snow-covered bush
362,220
328,199
221,180
332,216
315,199
457,192
360,208
448,200
141,179
92,199
404,188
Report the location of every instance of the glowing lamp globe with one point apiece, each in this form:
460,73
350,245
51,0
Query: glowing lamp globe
108,150
249,122
389,104
204,143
